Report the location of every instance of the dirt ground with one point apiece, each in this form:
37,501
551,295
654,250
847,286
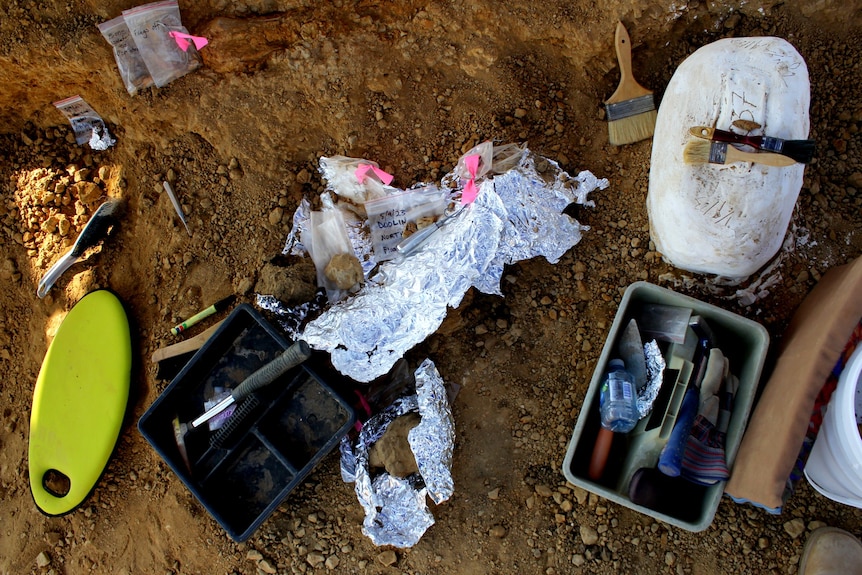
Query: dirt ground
412,86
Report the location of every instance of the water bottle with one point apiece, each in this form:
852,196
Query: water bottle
619,414
617,400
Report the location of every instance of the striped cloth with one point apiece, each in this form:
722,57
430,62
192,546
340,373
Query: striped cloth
703,461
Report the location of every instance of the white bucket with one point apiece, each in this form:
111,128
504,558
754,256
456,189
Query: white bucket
834,467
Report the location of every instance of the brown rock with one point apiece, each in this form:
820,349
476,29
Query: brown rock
292,285
344,270
387,558
88,192
245,45
392,451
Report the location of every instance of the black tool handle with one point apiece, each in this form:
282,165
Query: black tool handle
290,358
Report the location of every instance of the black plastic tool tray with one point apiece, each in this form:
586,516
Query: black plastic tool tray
297,421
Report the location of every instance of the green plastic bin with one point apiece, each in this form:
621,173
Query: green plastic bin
743,341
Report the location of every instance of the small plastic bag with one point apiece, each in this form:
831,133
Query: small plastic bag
324,238
150,26
485,151
133,69
507,157
340,173
388,217
492,160
86,123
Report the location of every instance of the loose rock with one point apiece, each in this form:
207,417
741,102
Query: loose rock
387,558
589,535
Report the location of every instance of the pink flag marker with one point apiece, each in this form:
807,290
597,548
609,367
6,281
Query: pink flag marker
182,40
363,169
472,164
468,195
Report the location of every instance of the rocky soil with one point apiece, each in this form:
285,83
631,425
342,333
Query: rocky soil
411,86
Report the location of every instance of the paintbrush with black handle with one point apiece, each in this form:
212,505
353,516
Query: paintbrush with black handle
801,151
708,152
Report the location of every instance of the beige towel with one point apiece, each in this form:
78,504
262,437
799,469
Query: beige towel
812,344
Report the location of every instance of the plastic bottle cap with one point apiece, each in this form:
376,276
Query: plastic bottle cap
616,365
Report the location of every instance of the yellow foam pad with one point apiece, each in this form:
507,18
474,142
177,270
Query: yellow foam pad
79,402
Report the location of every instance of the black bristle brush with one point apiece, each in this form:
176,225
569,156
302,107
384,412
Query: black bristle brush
234,422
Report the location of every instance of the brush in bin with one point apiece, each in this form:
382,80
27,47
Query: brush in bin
243,395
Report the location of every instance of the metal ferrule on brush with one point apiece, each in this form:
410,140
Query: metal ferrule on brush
717,153
770,144
630,108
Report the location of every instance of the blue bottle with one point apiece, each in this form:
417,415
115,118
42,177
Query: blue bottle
617,399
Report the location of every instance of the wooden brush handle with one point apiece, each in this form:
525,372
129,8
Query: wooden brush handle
628,87
185,346
768,158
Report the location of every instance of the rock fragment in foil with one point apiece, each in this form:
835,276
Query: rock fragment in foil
395,508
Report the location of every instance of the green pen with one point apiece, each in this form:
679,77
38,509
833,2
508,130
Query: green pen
216,307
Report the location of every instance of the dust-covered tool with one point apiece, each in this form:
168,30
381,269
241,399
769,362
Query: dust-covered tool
414,242
176,203
100,222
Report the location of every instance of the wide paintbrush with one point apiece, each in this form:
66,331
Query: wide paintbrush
800,150
708,152
631,109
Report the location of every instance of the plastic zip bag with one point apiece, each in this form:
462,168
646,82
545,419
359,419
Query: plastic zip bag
325,238
388,217
491,160
150,26
86,123
133,69
340,173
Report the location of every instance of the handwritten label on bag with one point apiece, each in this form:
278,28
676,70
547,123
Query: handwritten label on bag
387,229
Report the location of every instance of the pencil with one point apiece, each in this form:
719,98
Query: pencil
198,317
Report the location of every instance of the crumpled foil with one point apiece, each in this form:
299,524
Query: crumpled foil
101,139
293,245
433,439
517,215
396,512
291,319
655,373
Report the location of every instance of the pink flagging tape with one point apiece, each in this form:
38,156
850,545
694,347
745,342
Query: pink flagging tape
363,169
468,195
182,40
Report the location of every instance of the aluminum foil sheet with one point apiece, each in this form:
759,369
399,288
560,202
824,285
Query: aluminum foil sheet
433,440
101,138
517,215
655,373
396,511
293,245
291,319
